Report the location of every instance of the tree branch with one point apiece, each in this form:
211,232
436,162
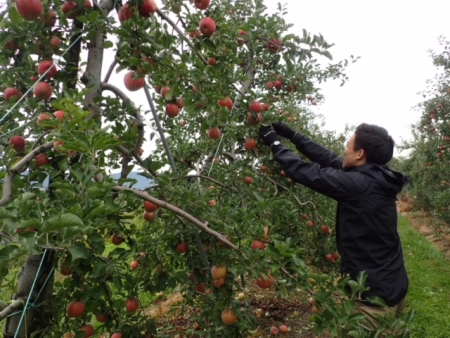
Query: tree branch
16,306
7,183
110,70
178,211
178,30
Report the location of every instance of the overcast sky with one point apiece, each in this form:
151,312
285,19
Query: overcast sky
391,37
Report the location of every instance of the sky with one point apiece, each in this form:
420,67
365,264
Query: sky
391,37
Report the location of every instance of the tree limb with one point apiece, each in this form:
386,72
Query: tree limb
178,30
16,306
7,183
178,211
110,70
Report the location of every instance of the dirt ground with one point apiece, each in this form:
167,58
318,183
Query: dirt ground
173,320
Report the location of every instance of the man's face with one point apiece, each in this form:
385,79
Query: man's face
352,158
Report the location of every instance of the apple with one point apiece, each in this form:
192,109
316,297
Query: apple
55,42
11,45
41,159
149,216
214,133
29,9
180,103
219,271
284,329
134,265
116,335
248,180
310,224
182,248
201,4
147,8
75,309
335,255
226,102
265,106
325,229
70,9
164,91
250,144
265,282
172,110
17,142
42,91
228,317
278,84
241,296
101,317
45,65
330,258
49,18
132,82
258,245
217,283
212,203
88,329
125,13
132,304
212,61
252,120
447,138
117,239
59,114
255,107
274,45
195,34
12,93
274,331
207,26
150,207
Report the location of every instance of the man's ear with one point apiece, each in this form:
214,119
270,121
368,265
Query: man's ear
361,155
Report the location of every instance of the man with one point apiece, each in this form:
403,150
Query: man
365,189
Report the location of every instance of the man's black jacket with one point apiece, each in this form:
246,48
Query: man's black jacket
366,222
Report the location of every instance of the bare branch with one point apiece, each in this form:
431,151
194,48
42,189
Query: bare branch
178,30
16,306
23,163
110,70
201,225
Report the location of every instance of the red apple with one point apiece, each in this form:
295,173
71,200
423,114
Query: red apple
214,133
219,271
75,309
125,13
278,84
226,102
116,335
265,106
150,207
149,216
248,180
255,107
180,103
325,229
55,42
12,93
217,283
258,245
147,8
274,331
182,248
17,142
42,91
274,45
172,110
284,329
212,61
134,265
29,9
43,117
132,82
310,224
70,9
195,34
164,91
41,159
57,145
49,18
101,317
250,144
45,65
201,4
132,304
254,120
89,330
59,114
116,239
265,282
207,26
228,317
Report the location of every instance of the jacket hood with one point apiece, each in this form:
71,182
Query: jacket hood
392,182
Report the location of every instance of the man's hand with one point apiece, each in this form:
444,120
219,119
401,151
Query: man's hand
268,135
283,130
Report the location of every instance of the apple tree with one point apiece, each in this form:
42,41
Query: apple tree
429,158
82,250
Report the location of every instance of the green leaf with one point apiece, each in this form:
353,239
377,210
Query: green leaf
14,16
108,44
93,16
61,222
79,252
30,223
4,213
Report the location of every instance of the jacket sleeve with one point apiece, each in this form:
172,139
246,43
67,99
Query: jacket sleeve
316,152
334,183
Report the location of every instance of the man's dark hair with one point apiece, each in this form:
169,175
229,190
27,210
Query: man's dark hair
376,143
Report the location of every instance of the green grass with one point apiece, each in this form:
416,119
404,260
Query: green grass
429,289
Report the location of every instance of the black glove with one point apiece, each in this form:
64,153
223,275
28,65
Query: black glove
268,135
283,130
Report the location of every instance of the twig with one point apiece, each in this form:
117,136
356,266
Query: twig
16,306
165,17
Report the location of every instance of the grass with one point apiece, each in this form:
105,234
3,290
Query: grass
429,289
